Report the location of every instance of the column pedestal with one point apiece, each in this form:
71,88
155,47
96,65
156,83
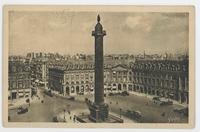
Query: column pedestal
98,113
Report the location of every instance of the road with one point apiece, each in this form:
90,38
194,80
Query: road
44,112
52,106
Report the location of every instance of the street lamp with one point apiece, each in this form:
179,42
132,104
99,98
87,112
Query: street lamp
68,107
64,113
120,112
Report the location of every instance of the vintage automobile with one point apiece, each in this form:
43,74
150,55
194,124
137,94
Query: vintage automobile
183,111
124,93
156,98
165,102
22,110
134,114
110,94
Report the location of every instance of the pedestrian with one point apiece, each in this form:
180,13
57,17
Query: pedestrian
70,117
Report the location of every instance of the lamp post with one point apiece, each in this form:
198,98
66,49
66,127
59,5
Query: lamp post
68,108
64,113
120,112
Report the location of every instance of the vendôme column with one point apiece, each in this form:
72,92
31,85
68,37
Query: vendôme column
99,110
99,67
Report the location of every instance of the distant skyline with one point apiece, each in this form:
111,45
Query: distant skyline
70,32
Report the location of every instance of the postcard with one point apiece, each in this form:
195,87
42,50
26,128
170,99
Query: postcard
98,66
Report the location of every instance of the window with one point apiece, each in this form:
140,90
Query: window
130,73
114,73
72,89
20,84
153,81
82,76
130,78
67,77
145,80
72,77
124,72
87,76
77,77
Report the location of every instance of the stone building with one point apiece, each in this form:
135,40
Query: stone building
19,85
76,79
163,78
39,72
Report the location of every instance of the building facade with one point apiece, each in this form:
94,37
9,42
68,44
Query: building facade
19,85
162,78
39,72
79,79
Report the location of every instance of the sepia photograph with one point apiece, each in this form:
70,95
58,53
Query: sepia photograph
98,66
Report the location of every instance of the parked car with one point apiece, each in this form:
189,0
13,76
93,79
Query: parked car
156,98
125,93
22,110
110,94
183,111
166,103
134,114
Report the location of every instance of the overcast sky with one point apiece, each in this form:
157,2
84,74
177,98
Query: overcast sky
70,32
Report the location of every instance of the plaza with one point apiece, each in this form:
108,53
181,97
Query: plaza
55,106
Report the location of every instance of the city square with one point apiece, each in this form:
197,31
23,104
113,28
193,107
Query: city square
56,104
100,87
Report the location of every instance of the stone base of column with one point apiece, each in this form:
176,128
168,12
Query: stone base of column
98,113
87,118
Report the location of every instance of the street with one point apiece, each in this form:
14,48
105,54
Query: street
44,112
53,106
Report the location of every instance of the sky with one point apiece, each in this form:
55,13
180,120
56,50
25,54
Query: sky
70,32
